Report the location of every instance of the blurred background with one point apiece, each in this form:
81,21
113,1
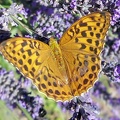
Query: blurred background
19,98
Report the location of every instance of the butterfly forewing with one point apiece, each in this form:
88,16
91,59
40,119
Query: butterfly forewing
36,61
81,45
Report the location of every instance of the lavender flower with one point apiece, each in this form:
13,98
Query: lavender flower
112,100
52,18
12,92
6,17
117,72
116,12
81,107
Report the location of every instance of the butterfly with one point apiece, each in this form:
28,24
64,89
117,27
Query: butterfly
66,69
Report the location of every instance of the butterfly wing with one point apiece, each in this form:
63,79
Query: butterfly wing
35,60
81,45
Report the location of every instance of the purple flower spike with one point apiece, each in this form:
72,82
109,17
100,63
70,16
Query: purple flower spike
12,93
51,18
117,72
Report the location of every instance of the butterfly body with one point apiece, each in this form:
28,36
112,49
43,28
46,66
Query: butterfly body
58,57
62,71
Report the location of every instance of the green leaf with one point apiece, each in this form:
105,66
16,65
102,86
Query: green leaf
7,114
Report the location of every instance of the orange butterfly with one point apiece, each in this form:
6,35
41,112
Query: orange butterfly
63,70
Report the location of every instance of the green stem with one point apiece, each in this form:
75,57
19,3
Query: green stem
1,6
24,26
10,1
20,23
25,112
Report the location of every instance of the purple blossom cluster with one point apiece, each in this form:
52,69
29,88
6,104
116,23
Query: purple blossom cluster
111,55
112,101
82,107
13,92
50,18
